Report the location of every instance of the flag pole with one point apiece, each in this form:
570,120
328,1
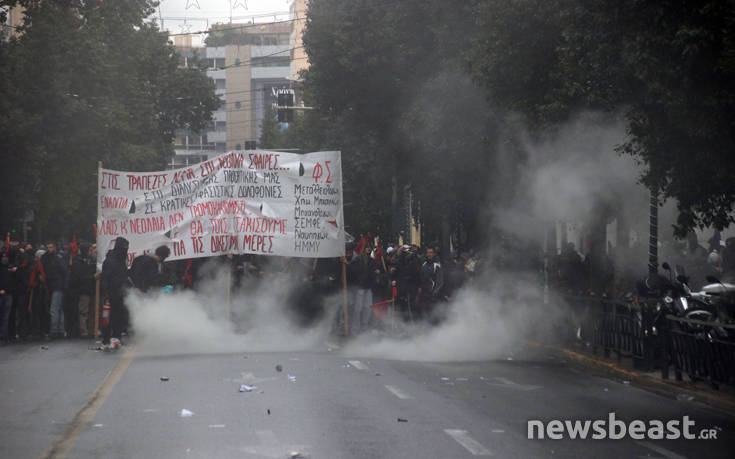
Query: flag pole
344,294
97,277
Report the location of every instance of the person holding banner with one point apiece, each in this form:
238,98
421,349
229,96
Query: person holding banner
114,278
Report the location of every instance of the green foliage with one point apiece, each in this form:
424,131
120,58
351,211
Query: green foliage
669,66
86,82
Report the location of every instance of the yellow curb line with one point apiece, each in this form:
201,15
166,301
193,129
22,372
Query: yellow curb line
721,402
64,444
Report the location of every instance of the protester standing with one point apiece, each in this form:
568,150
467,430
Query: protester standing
114,278
7,272
55,273
82,285
432,284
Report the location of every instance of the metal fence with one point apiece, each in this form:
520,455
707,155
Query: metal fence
653,341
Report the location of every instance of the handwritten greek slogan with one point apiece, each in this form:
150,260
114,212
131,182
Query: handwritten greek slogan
256,202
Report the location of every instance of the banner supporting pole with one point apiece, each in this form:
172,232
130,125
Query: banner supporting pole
229,289
97,278
345,314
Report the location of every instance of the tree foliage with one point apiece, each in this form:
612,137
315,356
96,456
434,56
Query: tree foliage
89,81
667,65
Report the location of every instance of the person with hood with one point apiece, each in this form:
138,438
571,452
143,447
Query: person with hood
54,268
113,280
7,272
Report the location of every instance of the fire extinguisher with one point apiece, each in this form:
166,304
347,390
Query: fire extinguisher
106,313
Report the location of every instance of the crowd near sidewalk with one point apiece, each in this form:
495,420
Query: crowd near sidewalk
49,291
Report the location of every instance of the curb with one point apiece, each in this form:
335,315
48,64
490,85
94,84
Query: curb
721,402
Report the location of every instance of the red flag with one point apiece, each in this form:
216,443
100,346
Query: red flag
379,252
73,246
187,275
37,274
379,309
7,242
359,247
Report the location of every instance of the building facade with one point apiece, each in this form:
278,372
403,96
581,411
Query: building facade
248,74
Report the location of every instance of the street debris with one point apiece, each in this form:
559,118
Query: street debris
246,388
216,426
297,455
445,379
186,413
99,425
346,365
684,397
269,411
44,348
279,368
461,379
509,358
605,389
164,378
627,383
377,374
292,378
402,420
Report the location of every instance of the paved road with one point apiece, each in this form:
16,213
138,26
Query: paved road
333,406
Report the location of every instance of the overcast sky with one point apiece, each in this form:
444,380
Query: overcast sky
194,15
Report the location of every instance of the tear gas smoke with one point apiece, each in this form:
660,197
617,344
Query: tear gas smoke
187,322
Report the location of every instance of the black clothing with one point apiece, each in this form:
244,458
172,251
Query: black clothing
432,279
55,269
113,280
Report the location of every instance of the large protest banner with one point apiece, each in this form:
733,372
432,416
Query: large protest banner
256,202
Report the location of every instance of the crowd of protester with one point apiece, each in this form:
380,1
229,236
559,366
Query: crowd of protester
49,292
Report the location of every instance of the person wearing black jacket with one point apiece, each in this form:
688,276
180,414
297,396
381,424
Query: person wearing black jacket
432,284
113,280
365,272
7,272
150,271
24,261
55,269
82,285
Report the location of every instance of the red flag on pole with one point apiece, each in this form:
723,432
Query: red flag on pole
379,309
73,246
360,246
188,279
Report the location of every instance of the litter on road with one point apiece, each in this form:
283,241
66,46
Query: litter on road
402,420
279,368
246,388
164,378
684,398
292,378
186,413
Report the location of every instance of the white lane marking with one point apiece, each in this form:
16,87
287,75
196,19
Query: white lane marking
398,392
660,450
505,382
357,364
498,431
266,437
469,443
216,426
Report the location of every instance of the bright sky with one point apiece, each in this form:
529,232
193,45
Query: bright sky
181,16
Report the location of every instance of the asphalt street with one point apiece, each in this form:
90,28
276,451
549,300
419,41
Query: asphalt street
73,402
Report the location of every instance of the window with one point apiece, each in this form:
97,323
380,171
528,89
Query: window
221,146
220,83
221,126
238,147
238,104
219,62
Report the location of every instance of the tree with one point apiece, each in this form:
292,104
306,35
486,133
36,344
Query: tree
668,66
90,81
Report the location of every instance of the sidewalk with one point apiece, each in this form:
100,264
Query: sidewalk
722,400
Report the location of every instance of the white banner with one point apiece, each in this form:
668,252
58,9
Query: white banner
259,202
